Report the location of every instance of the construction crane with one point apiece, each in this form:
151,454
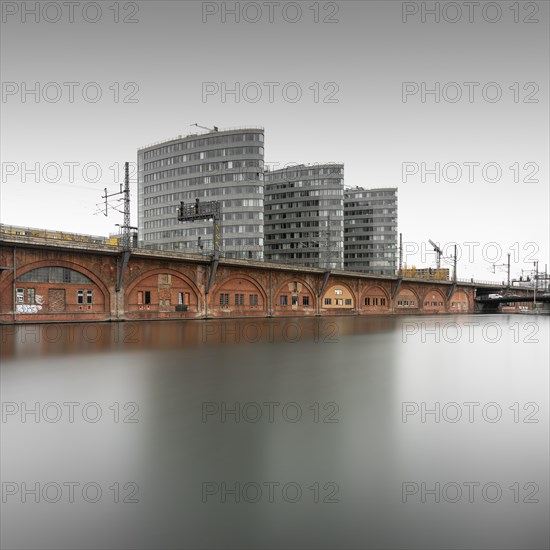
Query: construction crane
215,129
438,251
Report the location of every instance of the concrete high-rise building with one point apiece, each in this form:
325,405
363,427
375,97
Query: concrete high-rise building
227,166
370,230
304,215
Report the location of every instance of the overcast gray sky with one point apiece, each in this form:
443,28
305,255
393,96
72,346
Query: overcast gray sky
166,65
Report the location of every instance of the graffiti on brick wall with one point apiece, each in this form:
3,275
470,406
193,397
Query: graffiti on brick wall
30,308
27,308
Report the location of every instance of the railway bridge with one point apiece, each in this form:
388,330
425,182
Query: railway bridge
70,280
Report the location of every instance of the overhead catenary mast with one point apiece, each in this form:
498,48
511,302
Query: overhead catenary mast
126,227
126,242
507,266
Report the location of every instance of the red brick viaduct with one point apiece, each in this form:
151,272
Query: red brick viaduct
71,281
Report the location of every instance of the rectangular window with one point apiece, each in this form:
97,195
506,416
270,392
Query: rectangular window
147,297
140,297
19,295
339,302
382,301
30,295
239,299
375,301
90,297
253,299
338,291
224,299
328,301
348,301
294,300
80,297
66,275
367,301
305,300
283,300
180,298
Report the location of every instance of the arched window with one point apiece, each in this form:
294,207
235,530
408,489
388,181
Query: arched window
54,275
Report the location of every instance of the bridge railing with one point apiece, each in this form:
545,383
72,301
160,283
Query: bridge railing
252,252
200,134
479,282
27,233
527,286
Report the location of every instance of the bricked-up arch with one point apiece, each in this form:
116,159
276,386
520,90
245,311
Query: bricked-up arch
341,297
63,264
459,302
407,299
294,296
58,296
434,300
237,294
167,289
374,299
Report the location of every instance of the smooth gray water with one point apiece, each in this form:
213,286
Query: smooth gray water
327,446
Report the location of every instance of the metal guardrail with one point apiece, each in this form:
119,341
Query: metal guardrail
513,299
27,233
19,232
500,284
195,134
306,165
478,281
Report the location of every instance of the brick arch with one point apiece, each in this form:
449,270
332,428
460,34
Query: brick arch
162,295
381,292
330,287
284,285
162,271
439,297
339,283
219,286
410,289
457,293
62,263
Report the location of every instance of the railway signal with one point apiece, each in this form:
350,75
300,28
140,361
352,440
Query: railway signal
199,211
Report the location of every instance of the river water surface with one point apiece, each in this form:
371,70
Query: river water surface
349,432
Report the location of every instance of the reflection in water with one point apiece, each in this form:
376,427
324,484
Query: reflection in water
351,432
77,338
